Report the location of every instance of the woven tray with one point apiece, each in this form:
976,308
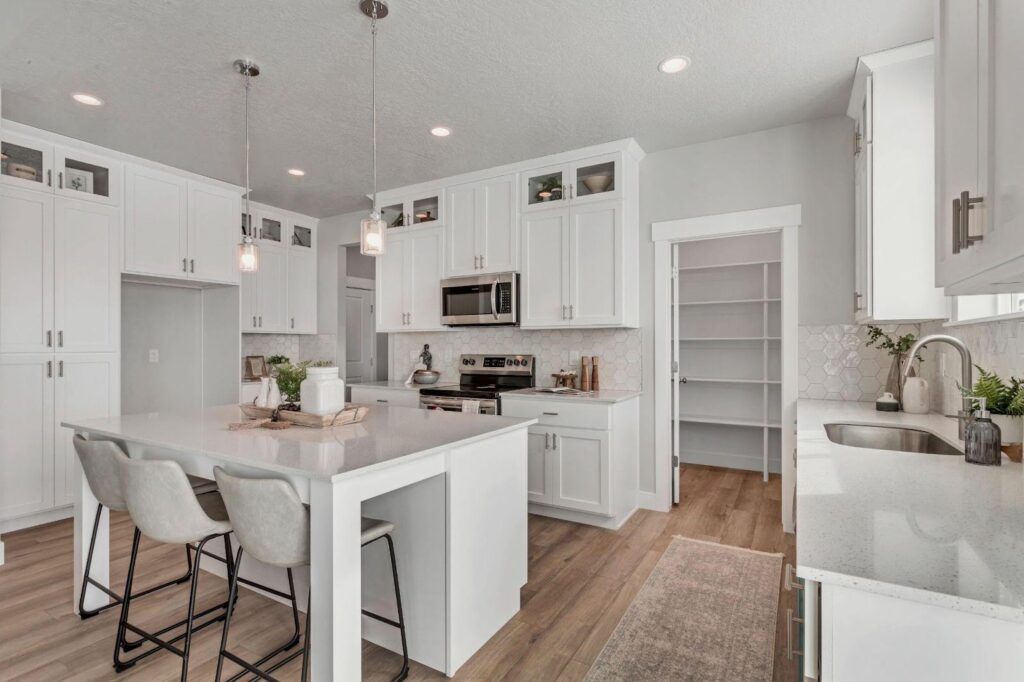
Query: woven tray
350,415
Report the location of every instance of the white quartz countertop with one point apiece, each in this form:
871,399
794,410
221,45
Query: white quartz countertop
387,436
609,396
400,385
929,528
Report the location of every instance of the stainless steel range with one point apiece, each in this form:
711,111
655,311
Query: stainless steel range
482,378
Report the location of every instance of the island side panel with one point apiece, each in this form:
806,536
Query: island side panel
487,540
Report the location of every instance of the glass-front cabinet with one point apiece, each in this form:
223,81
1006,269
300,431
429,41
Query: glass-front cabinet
302,237
25,161
270,227
86,176
419,209
591,179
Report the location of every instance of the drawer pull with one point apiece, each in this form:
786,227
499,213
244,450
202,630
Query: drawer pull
790,620
792,582
379,400
550,414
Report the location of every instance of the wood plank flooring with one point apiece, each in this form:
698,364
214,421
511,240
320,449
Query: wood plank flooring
581,579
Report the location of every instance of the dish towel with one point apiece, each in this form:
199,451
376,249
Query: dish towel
409,381
471,406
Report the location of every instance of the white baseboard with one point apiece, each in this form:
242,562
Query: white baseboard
611,523
652,501
37,519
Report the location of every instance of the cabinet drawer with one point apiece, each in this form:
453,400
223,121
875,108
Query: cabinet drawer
370,395
559,413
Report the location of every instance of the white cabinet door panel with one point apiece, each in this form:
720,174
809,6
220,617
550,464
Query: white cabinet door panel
391,287
272,289
538,488
301,291
423,260
87,284
545,280
86,387
26,271
596,291
498,235
582,470
212,234
156,223
462,255
250,302
26,434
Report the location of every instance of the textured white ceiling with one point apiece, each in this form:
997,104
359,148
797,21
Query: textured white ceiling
514,79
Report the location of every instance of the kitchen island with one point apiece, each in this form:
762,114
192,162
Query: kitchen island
453,484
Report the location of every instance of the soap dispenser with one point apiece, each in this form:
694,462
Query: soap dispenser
982,438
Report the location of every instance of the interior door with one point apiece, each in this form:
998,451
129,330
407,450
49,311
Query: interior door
273,289
86,387
212,234
425,287
26,433
87,277
26,271
359,335
156,223
301,291
391,286
596,289
676,387
545,283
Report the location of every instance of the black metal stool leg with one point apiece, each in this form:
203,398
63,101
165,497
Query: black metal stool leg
305,637
82,612
125,605
232,592
191,611
401,616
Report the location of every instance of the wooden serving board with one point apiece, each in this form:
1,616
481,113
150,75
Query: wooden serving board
253,412
350,415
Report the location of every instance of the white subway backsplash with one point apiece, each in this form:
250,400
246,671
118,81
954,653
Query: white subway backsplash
618,349
836,364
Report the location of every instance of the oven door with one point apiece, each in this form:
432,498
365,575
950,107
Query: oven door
480,300
436,402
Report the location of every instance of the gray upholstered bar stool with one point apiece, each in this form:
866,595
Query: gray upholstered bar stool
160,501
99,459
281,538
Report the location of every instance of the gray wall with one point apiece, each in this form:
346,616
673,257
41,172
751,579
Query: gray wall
810,164
358,264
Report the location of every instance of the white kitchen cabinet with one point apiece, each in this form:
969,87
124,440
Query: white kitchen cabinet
26,271
482,234
892,103
156,223
27,161
212,238
409,208
301,291
979,228
408,292
26,434
581,457
577,182
383,395
36,163
271,289
87,281
87,386
271,227
574,267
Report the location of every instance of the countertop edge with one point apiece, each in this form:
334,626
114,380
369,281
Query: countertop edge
606,399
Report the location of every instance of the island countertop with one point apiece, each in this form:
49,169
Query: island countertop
928,528
385,437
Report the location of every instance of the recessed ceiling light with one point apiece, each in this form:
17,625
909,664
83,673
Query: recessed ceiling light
297,172
86,98
673,64
440,131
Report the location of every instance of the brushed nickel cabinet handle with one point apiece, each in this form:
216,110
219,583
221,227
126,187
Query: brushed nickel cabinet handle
60,368
49,338
967,203
381,401
253,320
261,322
192,265
572,314
293,323
550,414
60,180
956,225
49,178
184,264
60,339
49,369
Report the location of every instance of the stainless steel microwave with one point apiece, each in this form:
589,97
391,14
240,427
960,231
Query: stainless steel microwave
480,300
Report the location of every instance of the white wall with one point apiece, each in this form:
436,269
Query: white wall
808,164
334,233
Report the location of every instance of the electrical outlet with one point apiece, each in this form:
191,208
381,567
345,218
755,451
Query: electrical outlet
154,355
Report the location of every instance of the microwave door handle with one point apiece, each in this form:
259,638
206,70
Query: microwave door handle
494,298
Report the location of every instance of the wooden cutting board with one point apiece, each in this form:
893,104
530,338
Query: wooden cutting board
350,415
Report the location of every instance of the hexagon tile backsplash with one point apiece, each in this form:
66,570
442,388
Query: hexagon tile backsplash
298,347
836,364
619,350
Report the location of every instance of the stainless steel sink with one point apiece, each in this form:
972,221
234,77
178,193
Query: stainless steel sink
895,438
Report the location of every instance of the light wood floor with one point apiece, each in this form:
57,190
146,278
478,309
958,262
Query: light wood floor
581,579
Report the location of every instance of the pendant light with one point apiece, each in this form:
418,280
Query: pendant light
248,252
371,229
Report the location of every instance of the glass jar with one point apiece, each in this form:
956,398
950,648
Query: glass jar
322,392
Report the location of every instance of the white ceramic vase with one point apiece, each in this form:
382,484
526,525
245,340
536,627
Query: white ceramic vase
274,396
264,395
322,391
1011,427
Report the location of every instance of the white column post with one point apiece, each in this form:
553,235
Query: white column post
85,513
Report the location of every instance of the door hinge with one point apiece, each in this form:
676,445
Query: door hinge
675,366
857,147
675,272
675,461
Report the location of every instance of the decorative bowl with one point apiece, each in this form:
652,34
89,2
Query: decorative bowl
20,170
426,376
597,183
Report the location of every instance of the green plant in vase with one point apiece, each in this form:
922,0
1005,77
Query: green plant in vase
289,379
897,347
1004,400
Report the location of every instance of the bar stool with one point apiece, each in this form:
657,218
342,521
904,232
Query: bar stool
99,459
163,506
282,539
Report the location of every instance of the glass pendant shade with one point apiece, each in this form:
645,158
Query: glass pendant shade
248,256
371,235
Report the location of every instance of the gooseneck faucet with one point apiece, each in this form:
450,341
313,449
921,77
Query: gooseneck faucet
967,371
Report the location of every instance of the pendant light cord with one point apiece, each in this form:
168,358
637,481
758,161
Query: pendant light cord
373,97
248,213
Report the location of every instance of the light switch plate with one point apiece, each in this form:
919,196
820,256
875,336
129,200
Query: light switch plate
154,355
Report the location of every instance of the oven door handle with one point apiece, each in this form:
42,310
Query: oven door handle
494,298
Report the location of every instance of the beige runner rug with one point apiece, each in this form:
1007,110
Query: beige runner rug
707,613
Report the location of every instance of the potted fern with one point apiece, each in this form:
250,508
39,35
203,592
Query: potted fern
1004,400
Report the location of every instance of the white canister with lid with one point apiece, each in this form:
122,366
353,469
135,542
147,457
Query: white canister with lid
915,396
322,391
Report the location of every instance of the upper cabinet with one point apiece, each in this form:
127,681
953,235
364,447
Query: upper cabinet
979,226
409,209
592,179
179,228
409,282
482,234
34,163
892,104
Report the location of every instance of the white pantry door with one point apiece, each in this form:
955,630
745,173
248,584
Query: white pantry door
359,335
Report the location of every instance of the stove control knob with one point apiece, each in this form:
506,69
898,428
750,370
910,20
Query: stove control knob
465,362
